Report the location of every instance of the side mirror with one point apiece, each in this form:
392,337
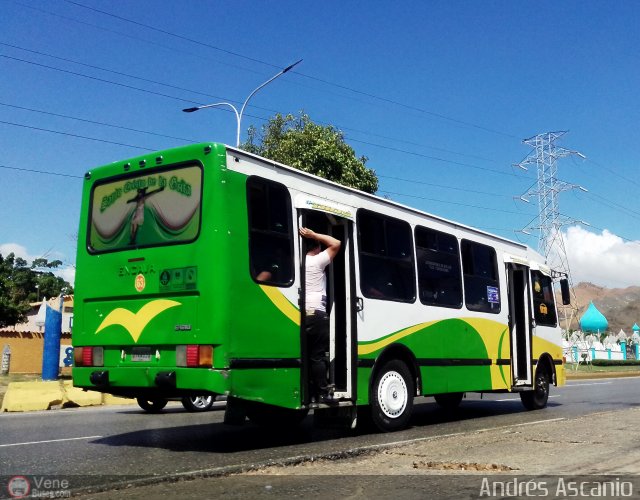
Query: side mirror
566,293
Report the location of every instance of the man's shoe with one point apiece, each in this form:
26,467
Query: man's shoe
328,389
327,399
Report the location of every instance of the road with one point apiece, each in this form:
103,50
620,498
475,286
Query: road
111,445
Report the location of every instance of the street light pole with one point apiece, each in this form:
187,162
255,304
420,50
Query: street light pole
244,104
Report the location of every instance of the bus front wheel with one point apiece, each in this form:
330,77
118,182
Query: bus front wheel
538,397
392,396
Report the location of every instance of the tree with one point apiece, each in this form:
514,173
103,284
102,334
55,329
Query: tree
21,284
313,148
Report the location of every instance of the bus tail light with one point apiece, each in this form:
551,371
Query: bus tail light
194,356
88,356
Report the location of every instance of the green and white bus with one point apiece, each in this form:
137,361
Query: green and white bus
170,300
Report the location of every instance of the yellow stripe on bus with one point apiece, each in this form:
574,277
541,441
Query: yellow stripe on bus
282,303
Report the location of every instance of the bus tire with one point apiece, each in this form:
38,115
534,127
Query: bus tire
538,397
392,396
198,403
275,417
449,401
152,405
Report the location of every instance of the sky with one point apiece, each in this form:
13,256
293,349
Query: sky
438,95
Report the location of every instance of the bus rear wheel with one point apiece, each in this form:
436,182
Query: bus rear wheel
198,403
449,401
392,396
152,405
538,397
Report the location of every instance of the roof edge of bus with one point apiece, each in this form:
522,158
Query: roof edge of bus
382,200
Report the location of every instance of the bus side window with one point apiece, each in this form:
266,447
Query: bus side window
439,276
386,257
481,285
270,232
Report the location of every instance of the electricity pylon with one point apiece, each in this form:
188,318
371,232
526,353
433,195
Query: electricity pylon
550,221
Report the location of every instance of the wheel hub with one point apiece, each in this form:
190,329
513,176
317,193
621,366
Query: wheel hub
392,394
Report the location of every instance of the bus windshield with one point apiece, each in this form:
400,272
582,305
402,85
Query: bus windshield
146,209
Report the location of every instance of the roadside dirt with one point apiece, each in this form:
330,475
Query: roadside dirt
546,457
597,444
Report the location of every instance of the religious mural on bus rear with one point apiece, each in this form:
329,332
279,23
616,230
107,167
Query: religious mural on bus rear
150,209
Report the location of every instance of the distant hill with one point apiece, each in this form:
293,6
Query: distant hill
621,306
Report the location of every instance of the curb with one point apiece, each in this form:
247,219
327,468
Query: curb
51,395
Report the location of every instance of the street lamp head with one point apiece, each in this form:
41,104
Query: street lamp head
191,110
291,66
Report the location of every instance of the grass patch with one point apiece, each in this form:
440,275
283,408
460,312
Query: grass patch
584,370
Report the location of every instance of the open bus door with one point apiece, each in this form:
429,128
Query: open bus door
520,324
340,293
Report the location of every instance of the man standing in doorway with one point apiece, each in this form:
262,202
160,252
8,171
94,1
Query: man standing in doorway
317,319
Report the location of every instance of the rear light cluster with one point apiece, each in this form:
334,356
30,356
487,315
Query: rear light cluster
194,356
88,356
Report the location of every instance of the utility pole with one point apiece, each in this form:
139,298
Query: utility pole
546,190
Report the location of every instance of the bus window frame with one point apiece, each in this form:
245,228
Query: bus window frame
142,173
464,242
290,233
361,253
457,255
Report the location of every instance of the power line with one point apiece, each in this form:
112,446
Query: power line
209,95
40,171
436,158
75,135
104,124
415,181
617,174
160,94
115,72
190,140
326,82
456,203
599,199
175,35
181,99
411,143
121,34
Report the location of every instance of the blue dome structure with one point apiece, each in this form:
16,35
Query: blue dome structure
593,320
635,327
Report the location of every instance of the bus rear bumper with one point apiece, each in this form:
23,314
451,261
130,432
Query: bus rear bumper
146,381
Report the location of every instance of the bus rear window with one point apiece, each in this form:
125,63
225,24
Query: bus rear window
149,209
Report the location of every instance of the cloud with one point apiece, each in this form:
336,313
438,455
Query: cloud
603,259
67,273
17,249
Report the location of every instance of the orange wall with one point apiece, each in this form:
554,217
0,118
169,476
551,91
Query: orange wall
26,350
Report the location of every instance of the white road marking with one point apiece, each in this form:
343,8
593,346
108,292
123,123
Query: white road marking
583,385
49,441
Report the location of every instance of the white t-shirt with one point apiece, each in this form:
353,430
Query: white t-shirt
316,281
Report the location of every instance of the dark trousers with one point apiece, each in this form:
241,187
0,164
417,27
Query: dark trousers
317,331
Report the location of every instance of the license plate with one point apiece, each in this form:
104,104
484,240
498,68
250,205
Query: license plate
141,357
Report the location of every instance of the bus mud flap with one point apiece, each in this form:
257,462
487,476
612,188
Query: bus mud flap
235,412
340,417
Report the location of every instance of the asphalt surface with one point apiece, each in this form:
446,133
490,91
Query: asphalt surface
118,446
